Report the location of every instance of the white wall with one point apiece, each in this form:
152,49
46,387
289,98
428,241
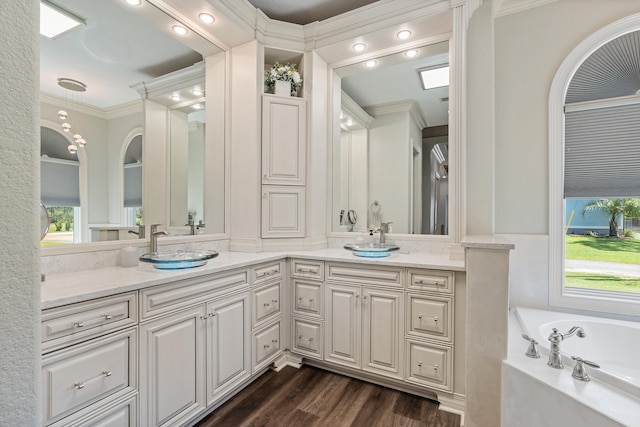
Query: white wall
19,214
528,48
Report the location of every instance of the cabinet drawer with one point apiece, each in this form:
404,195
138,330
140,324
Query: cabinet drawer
76,377
307,298
266,302
430,365
267,344
266,272
430,317
122,412
431,280
365,274
163,299
307,269
66,325
307,338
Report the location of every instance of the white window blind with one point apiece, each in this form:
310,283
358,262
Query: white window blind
602,152
133,185
60,182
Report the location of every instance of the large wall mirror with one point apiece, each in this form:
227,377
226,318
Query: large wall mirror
390,160
90,73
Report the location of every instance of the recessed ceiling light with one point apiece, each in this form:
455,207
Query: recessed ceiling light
179,29
349,122
197,92
404,34
55,21
371,63
134,2
206,18
197,106
359,47
176,98
411,53
434,77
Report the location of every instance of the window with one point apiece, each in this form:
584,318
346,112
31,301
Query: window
594,122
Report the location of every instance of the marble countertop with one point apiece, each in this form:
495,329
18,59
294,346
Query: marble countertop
68,288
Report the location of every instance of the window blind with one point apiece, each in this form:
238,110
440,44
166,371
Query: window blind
60,183
133,185
602,152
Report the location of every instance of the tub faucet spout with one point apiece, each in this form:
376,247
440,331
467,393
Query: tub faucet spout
555,359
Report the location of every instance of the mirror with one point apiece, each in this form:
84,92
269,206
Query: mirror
114,49
390,153
188,125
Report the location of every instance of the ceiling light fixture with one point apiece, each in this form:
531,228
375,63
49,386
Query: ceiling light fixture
434,77
176,98
411,53
404,34
179,29
206,18
359,47
197,106
55,21
134,2
79,87
197,92
371,63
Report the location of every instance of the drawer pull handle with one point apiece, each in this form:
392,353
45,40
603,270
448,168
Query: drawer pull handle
206,316
274,341
435,319
96,320
266,346
435,368
103,374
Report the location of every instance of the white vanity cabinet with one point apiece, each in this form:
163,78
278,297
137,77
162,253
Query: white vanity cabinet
364,328
306,290
89,362
195,345
268,305
283,211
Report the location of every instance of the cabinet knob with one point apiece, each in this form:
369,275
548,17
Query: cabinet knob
420,316
419,363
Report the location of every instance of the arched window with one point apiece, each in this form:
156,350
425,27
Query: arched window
595,173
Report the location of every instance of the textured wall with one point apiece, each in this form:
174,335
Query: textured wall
19,195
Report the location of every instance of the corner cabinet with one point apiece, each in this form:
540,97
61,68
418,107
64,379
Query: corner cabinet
283,166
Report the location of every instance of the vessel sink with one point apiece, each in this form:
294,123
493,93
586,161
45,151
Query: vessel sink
173,260
371,250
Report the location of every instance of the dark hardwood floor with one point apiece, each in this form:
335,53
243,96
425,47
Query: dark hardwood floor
313,397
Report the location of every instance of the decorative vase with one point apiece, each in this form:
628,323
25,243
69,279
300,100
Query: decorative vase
283,88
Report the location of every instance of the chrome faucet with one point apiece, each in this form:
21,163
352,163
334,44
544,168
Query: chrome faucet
191,223
154,237
140,233
555,360
384,229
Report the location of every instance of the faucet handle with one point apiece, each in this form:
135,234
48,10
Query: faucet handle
579,371
532,351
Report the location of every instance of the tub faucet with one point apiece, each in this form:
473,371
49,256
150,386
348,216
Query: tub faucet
555,360
154,237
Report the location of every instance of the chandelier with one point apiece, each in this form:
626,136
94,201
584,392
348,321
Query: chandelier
76,87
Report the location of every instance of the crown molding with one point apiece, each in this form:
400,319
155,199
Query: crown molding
410,107
280,34
194,74
508,7
126,109
356,112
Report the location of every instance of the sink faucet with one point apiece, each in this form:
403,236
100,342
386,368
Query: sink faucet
154,237
140,233
555,360
191,223
384,229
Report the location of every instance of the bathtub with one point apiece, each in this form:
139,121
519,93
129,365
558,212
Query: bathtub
535,394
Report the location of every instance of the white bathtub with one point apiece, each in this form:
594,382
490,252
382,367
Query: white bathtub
535,394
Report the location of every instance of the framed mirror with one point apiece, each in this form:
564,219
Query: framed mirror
390,160
113,49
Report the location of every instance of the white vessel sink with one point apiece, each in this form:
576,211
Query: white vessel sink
173,260
371,250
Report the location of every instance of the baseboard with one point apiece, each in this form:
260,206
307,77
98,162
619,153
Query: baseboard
287,359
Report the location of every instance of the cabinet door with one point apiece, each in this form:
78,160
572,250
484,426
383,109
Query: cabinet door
282,211
283,140
228,343
172,368
382,314
343,324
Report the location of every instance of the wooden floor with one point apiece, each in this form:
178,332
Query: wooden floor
313,397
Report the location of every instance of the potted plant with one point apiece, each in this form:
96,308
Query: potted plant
283,79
